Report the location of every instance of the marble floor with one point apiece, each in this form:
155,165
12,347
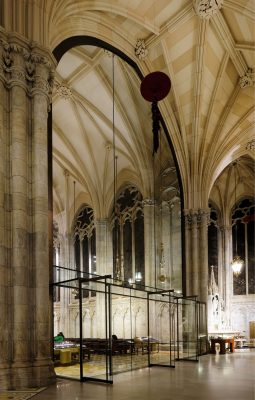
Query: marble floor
214,377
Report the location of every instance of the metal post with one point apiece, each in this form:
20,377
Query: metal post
81,330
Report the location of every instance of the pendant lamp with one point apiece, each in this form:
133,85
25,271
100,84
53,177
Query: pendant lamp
155,87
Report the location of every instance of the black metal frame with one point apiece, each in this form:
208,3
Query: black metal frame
171,331
171,298
194,299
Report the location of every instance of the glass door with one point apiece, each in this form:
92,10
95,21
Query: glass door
187,329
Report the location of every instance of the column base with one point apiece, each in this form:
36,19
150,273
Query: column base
18,377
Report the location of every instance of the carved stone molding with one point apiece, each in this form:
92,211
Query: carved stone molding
56,242
102,222
197,216
207,8
108,53
148,202
26,64
250,145
64,91
247,79
140,49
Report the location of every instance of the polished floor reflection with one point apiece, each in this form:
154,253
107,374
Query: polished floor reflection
214,377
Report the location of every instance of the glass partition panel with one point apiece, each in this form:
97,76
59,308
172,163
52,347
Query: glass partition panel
66,342
161,333
95,330
187,329
110,327
203,343
129,323
83,315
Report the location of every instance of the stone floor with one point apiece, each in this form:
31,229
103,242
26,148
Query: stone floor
214,377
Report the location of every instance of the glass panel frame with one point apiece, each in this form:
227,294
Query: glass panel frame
161,343
187,329
145,344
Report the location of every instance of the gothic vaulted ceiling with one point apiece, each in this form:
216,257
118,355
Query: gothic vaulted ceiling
209,112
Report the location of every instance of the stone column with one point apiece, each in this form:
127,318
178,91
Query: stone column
220,259
103,243
65,293
191,252
188,264
25,73
4,236
228,276
103,267
20,225
203,254
67,222
149,242
196,253
40,93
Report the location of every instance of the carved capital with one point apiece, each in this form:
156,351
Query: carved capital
25,63
247,79
251,145
197,216
207,8
63,91
103,222
148,202
140,49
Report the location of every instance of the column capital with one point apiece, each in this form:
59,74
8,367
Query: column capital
226,228
148,202
26,64
196,216
206,9
101,222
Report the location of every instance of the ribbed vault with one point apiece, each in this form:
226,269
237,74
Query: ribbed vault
210,110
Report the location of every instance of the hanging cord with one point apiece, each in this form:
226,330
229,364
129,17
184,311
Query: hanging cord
74,221
154,216
234,209
113,135
160,191
115,226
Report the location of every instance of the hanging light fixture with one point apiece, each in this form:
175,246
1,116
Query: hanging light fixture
155,87
237,262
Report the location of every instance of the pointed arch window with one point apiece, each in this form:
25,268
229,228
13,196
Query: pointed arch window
128,237
213,246
243,234
85,242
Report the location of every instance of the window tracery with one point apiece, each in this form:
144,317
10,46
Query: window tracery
243,217
85,243
128,237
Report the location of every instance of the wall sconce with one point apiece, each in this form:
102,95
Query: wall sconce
131,281
138,276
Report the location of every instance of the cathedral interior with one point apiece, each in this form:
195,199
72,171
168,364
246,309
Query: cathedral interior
127,225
